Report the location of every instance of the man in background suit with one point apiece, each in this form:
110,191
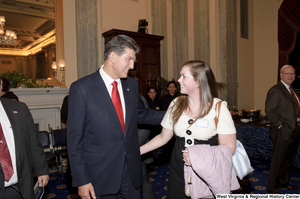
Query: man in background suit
104,153
26,152
284,115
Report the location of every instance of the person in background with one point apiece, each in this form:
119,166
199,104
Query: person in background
64,121
103,116
147,159
4,92
64,111
155,104
191,117
152,98
165,102
283,111
21,152
168,98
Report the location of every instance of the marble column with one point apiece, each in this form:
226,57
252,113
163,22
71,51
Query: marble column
19,61
87,37
228,50
159,27
201,30
47,67
31,70
179,35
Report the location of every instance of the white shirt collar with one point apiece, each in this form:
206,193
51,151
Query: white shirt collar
106,78
108,81
287,86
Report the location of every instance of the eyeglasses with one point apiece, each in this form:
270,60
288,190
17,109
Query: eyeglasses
290,74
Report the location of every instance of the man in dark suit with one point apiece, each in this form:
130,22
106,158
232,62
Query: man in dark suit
104,153
282,110
26,152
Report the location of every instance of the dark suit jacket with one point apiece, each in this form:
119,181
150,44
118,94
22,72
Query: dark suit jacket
166,100
96,142
29,152
281,109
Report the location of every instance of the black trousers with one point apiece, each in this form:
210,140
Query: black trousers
284,153
11,192
127,190
148,190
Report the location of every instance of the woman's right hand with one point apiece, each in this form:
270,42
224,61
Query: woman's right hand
186,157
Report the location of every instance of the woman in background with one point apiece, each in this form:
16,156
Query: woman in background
168,98
191,118
165,102
152,98
153,103
4,92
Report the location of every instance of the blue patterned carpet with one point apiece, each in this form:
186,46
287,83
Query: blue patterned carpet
257,181
58,189
254,183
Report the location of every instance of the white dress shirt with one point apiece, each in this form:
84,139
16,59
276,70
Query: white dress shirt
9,137
108,81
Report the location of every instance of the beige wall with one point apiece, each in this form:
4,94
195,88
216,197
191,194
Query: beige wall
245,75
123,15
70,41
7,63
257,56
265,48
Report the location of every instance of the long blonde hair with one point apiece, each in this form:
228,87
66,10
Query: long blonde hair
207,87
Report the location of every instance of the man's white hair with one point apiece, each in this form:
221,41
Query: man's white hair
285,66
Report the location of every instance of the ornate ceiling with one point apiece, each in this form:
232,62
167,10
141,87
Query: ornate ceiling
32,20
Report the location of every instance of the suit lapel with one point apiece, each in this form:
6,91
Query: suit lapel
13,117
287,93
104,99
11,114
128,101
295,105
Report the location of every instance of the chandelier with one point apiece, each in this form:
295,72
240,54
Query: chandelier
7,36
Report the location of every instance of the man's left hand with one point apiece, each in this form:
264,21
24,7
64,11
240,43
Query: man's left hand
43,180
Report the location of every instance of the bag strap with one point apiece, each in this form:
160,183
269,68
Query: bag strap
217,108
